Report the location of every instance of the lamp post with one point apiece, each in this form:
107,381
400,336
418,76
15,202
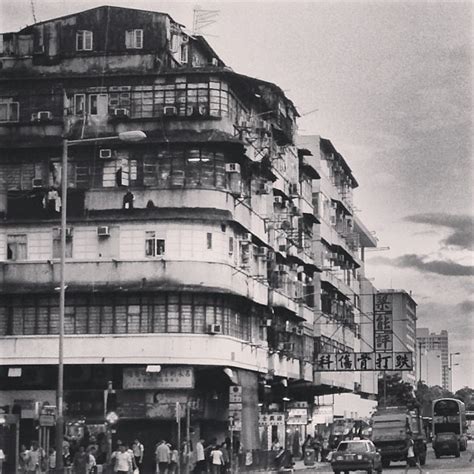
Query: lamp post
451,355
128,136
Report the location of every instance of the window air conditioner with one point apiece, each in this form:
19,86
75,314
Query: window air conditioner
232,168
103,231
37,183
262,251
105,153
121,112
170,110
246,237
44,115
278,200
214,329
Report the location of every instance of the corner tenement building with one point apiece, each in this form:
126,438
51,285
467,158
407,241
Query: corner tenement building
211,248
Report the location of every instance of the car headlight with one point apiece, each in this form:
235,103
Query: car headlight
339,458
360,457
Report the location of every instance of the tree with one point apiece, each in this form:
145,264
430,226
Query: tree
466,395
398,393
425,396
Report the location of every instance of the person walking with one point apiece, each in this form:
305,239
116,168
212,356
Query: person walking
122,460
81,461
174,454
33,459
217,460
412,460
200,458
163,457
138,451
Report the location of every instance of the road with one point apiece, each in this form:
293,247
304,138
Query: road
448,464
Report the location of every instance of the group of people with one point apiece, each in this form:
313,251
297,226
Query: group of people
214,458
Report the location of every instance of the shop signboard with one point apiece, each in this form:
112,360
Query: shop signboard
323,414
297,416
271,419
235,394
162,405
169,378
364,361
383,322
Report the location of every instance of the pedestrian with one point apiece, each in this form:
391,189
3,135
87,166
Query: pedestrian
92,460
217,460
138,451
276,446
200,458
163,457
22,458
81,461
52,459
225,458
174,454
2,458
412,460
34,458
122,460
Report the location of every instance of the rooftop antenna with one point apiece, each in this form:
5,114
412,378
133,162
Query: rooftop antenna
203,18
32,2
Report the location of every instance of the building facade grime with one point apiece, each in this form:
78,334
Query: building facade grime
221,248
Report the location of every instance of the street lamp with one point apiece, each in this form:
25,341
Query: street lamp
130,136
451,354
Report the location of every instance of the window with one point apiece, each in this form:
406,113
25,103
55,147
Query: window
84,40
57,243
154,247
184,53
9,111
98,104
79,104
134,39
16,247
174,43
209,240
231,245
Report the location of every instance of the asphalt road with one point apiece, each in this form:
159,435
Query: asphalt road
446,464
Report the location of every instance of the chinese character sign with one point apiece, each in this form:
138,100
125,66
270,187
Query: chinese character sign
383,322
364,361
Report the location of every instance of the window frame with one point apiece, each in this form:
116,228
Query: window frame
154,247
134,39
9,104
83,37
14,257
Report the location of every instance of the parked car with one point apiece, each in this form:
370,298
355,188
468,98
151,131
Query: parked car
355,455
446,444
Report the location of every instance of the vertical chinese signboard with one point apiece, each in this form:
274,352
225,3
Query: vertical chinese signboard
383,322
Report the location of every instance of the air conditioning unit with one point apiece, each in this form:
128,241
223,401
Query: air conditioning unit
103,231
269,322
44,115
262,251
246,237
214,329
121,112
294,189
264,188
37,183
288,327
232,168
287,346
170,111
278,200
105,153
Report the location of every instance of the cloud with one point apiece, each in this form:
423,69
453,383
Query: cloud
466,307
460,226
417,262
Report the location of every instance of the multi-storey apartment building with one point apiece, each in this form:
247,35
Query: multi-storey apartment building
404,326
432,346
190,249
195,253
344,307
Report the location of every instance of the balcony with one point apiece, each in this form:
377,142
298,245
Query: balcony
281,300
112,200
186,349
137,275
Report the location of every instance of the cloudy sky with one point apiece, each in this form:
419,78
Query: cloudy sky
390,85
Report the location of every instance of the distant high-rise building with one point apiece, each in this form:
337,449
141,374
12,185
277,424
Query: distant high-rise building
404,326
436,343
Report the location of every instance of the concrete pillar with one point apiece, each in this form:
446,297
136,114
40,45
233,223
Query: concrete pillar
249,435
